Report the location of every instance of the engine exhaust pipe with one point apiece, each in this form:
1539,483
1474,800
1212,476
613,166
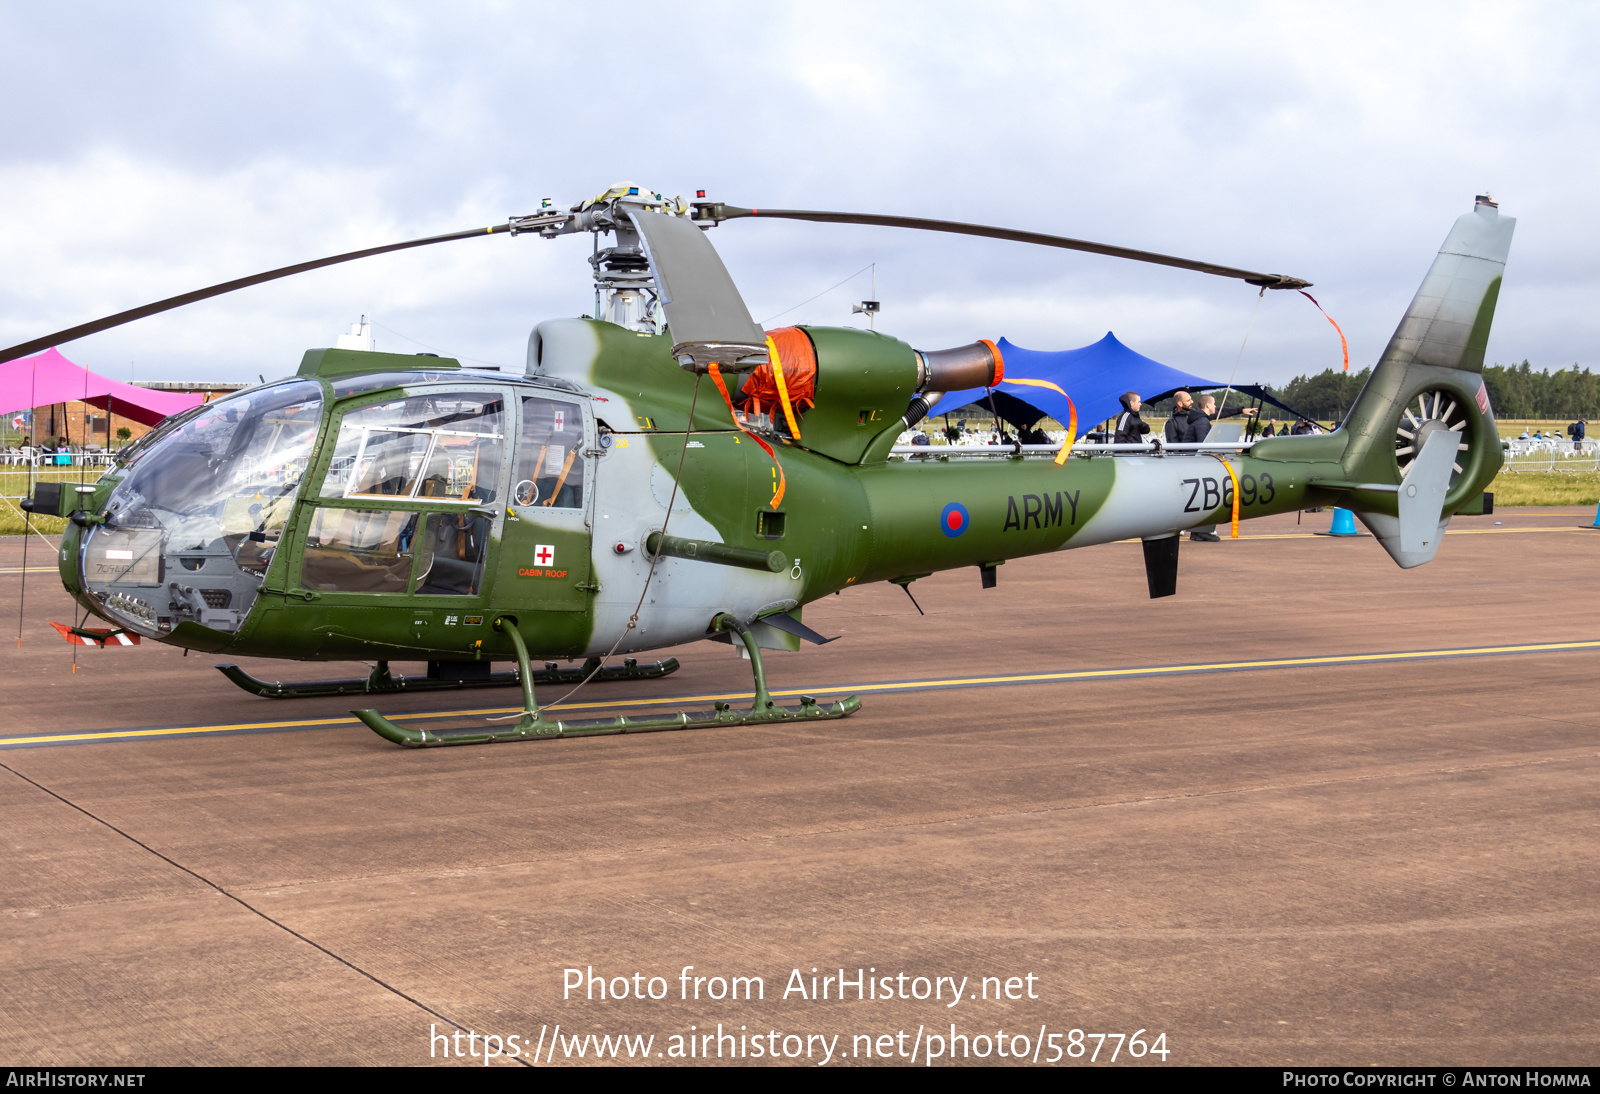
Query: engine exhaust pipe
977,365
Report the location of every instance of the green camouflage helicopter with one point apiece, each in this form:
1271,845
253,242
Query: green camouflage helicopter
385,507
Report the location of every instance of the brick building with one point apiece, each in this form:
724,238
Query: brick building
78,423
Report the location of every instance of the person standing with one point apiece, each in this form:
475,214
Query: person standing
1209,406
1178,429
1196,430
1577,430
1202,417
1131,429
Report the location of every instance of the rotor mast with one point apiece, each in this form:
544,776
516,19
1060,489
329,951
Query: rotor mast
625,288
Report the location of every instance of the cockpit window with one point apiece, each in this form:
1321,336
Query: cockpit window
550,454
359,551
346,386
233,464
441,446
192,527
131,455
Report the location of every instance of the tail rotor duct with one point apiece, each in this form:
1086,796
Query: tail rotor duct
1425,415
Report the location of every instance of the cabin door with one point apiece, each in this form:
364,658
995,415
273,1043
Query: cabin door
544,550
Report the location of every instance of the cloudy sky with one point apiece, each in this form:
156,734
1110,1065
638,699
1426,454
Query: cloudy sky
154,148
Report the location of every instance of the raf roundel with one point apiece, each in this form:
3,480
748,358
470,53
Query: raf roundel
953,519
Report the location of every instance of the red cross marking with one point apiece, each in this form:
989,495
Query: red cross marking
544,556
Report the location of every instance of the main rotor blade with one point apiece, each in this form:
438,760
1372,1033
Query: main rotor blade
710,211
85,329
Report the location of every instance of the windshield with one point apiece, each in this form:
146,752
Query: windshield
192,527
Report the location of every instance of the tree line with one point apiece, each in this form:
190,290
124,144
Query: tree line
1515,391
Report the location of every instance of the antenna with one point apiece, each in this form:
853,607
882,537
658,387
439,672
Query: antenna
870,307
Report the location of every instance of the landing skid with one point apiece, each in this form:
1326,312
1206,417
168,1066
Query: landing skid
534,726
382,683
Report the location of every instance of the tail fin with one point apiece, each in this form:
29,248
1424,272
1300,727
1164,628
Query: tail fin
1447,325
1429,381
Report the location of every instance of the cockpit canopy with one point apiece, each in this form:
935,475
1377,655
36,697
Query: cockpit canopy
404,503
208,491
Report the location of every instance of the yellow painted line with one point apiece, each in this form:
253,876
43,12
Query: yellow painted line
29,570
132,734
883,686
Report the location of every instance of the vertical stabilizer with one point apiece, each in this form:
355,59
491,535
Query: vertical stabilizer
1420,442
1430,379
1447,325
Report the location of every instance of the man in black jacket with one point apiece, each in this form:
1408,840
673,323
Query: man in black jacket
1198,429
1200,418
1188,423
1209,406
1131,429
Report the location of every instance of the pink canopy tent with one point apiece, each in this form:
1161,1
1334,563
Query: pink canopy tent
48,377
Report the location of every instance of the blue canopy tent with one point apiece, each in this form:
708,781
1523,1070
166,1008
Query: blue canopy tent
1095,376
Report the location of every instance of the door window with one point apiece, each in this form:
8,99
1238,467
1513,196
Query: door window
550,454
359,551
452,551
443,446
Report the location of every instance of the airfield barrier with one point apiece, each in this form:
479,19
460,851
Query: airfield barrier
1552,456
999,451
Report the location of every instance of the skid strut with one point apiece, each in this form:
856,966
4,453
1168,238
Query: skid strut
381,682
533,725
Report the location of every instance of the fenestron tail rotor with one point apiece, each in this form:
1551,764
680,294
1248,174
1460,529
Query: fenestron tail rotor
1426,414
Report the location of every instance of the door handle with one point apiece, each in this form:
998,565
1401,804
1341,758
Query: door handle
484,510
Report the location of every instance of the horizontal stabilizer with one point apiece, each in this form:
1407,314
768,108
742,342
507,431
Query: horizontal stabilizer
1412,538
786,622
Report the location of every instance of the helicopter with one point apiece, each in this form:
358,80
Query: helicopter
379,506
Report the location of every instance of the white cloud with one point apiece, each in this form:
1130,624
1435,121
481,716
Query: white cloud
158,149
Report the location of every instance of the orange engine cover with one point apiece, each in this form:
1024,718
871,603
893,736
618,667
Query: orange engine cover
759,393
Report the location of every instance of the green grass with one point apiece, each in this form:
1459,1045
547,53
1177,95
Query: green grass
1546,488
14,485
11,521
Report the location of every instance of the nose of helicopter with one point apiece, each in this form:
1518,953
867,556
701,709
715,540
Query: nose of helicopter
188,531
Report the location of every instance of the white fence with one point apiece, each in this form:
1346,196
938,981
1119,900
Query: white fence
1552,455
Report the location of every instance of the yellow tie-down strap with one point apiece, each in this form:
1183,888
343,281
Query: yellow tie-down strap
783,388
